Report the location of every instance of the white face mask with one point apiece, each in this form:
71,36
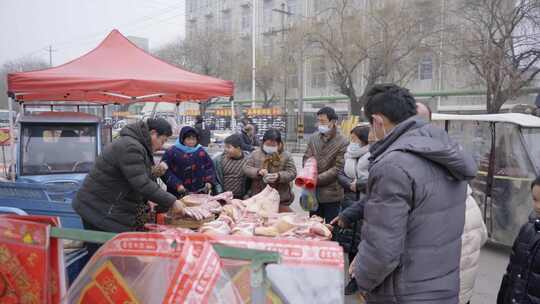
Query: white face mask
269,150
354,146
324,129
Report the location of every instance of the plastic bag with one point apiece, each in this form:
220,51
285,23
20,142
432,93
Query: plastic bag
267,201
307,177
174,267
308,200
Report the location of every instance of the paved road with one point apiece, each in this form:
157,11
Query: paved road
493,261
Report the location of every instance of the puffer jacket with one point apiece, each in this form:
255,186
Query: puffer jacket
220,178
360,166
117,188
283,164
188,167
329,153
414,217
473,238
521,283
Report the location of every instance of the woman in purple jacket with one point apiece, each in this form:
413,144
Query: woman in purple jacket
190,168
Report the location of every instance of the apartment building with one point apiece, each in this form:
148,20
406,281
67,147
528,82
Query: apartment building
432,70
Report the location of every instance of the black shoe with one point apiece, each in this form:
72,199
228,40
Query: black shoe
351,288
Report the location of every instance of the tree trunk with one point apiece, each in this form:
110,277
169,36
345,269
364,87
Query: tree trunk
356,105
494,100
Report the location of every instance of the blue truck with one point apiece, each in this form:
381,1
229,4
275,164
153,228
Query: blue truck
54,152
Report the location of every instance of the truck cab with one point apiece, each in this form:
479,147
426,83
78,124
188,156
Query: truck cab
55,151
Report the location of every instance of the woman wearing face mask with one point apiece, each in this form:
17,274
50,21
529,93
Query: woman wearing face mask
354,177
271,165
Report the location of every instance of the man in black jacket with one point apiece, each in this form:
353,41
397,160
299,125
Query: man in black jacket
114,195
204,133
248,135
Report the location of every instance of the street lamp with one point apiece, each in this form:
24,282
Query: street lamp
300,75
253,49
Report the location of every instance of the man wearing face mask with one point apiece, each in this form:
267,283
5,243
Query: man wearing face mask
328,147
415,207
272,165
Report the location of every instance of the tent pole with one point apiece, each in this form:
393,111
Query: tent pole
177,113
12,139
154,110
233,114
103,112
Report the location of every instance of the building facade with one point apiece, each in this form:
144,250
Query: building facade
432,70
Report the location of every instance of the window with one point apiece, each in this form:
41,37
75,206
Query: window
40,144
425,68
532,141
267,12
226,22
195,27
510,190
246,47
319,5
246,18
267,46
292,80
293,7
244,86
475,138
318,73
208,24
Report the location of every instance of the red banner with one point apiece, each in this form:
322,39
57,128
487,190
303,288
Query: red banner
171,266
24,259
107,287
57,286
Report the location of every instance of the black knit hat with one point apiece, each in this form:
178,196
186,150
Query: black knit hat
234,140
187,132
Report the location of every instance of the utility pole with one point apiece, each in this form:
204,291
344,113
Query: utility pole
301,66
288,106
441,52
284,70
50,50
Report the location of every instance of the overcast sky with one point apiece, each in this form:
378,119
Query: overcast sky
73,27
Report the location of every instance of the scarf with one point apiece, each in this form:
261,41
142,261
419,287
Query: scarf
353,168
185,148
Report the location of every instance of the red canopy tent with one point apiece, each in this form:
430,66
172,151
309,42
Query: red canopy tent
116,71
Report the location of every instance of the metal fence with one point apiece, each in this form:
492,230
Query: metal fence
294,130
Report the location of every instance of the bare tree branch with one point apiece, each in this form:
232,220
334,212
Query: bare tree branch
498,44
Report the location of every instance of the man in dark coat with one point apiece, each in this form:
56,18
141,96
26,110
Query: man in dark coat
204,133
248,136
114,195
415,206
